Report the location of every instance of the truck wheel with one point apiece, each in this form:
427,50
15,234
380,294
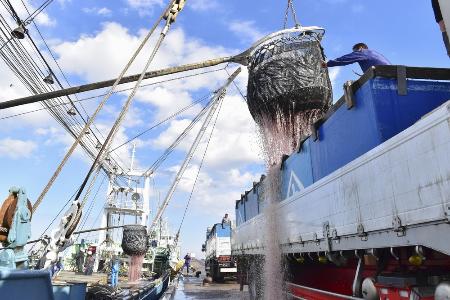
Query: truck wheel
215,272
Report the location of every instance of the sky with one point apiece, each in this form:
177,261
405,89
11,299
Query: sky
92,40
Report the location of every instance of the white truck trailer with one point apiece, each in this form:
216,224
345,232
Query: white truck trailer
219,262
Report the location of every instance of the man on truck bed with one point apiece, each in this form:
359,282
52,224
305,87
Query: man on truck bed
226,221
362,55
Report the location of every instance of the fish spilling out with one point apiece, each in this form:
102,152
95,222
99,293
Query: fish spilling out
354,202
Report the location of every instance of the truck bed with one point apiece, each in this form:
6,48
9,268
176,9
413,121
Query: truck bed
396,194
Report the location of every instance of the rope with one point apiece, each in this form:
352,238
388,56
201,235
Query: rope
36,12
290,5
54,219
100,106
169,150
91,185
236,86
161,122
121,117
90,208
198,173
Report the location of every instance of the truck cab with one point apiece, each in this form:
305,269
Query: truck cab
218,261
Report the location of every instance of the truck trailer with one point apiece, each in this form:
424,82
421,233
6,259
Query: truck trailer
365,209
218,262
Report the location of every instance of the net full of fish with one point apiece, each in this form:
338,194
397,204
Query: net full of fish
288,90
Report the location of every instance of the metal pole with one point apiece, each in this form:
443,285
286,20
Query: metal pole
98,229
190,154
76,232
108,83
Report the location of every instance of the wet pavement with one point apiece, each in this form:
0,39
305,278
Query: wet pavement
192,288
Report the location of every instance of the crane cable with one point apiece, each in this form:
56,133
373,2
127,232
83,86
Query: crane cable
91,206
100,106
198,172
177,141
107,144
160,122
290,5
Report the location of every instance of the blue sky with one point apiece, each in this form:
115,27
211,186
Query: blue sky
92,40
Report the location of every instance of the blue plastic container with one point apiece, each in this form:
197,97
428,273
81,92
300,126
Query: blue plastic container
26,284
379,114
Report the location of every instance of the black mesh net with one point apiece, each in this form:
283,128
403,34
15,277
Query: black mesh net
286,77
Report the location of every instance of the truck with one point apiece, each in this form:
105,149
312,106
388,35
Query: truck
218,262
365,199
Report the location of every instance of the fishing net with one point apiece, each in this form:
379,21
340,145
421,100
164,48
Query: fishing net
134,240
286,76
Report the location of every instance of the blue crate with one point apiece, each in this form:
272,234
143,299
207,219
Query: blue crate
379,114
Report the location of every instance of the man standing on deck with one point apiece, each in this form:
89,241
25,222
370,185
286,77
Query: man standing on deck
79,259
187,263
89,264
362,55
115,265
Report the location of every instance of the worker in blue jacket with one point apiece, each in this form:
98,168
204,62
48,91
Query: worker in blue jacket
115,266
362,55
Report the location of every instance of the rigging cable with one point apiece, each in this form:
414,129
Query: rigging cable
90,208
215,102
161,122
177,141
100,106
198,172
235,84
29,73
290,5
52,73
54,219
115,128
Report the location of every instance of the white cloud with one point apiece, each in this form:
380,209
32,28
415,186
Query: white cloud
233,146
144,7
103,55
42,19
14,148
334,73
203,5
233,141
246,31
103,11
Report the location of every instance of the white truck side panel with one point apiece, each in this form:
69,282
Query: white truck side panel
407,177
217,246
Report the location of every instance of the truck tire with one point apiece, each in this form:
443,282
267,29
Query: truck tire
217,277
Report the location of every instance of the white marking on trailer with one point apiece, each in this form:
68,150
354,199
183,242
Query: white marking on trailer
295,185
